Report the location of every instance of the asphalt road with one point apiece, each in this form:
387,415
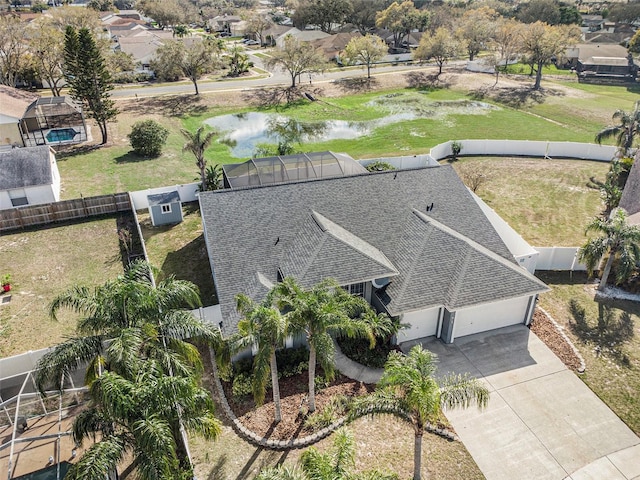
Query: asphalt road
273,79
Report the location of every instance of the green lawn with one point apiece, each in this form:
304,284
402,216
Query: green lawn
566,112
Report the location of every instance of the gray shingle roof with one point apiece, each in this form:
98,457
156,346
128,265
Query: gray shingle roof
630,199
163,198
349,227
25,167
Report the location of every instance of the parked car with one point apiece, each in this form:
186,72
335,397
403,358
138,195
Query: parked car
252,42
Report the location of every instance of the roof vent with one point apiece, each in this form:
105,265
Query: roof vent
380,282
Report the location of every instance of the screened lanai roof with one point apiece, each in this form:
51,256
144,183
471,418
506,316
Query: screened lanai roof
51,107
290,168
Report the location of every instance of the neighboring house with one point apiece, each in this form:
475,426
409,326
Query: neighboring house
630,199
414,243
601,63
28,176
592,23
28,120
232,24
301,35
13,105
333,46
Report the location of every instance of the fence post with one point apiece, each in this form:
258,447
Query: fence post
84,206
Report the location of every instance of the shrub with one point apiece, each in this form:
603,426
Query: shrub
292,361
379,166
242,385
358,350
147,138
456,148
337,407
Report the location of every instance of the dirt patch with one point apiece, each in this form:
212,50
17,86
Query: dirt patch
294,404
549,334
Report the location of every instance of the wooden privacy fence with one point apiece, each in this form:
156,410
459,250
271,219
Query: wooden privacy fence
65,210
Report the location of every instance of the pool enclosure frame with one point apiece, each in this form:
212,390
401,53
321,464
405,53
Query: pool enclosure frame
50,114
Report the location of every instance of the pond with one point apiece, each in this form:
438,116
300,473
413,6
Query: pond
245,132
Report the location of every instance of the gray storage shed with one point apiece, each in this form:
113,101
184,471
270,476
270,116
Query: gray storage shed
165,208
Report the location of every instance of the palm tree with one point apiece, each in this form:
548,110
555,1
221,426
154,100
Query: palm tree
619,240
625,131
197,143
264,326
141,419
409,390
127,323
325,310
335,464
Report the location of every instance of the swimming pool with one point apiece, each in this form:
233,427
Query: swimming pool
61,135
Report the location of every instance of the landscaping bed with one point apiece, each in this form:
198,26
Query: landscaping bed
546,331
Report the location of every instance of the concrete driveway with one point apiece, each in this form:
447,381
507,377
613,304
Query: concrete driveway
542,421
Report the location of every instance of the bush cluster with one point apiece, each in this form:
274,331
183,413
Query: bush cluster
358,350
147,138
337,407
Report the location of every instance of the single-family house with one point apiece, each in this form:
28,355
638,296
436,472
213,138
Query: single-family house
27,119
333,46
600,63
231,24
28,176
414,243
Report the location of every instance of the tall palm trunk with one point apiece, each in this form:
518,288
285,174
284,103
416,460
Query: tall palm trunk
312,378
275,387
417,455
605,272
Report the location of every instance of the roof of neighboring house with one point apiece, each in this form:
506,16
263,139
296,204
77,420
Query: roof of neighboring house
358,228
14,103
142,47
584,51
613,38
610,61
25,167
630,199
334,44
163,198
275,31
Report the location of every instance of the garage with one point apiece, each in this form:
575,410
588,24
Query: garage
423,323
490,316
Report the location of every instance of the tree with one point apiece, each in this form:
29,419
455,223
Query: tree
88,79
335,464
542,42
634,43
46,44
101,5
545,11
166,12
147,138
617,239
506,42
265,327
324,13
409,390
476,28
256,25
627,128
365,50
14,58
146,327
213,174
325,310
141,419
78,18
442,47
362,14
191,59
624,13
296,58
197,143
401,18
238,61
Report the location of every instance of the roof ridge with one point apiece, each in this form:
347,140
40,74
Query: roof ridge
328,226
476,246
454,287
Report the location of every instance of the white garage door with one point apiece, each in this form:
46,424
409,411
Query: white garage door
490,316
422,324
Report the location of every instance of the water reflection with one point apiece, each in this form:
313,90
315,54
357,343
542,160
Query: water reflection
245,132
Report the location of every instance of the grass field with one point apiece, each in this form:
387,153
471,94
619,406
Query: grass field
44,263
383,443
564,111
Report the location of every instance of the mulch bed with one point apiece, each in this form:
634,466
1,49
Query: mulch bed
293,396
548,333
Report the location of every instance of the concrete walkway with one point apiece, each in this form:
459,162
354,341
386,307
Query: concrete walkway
542,421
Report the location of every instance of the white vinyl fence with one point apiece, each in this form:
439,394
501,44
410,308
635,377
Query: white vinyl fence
187,194
559,258
528,148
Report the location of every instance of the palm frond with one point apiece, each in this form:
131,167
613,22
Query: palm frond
99,460
463,391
